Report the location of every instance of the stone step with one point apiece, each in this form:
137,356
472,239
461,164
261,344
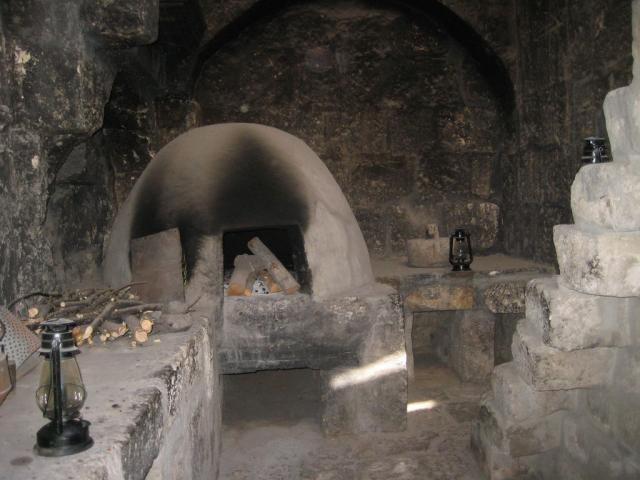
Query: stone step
520,439
547,368
606,196
518,401
570,320
599,263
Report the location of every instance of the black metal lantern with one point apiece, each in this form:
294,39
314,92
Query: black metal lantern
460,253
61,393
594,150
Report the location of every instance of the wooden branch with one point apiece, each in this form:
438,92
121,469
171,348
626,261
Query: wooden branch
279,273
32,294
98,320
137,309
189,309
114,329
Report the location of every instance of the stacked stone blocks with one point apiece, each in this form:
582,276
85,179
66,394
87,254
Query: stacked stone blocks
568,405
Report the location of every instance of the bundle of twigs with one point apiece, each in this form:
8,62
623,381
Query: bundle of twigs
108,312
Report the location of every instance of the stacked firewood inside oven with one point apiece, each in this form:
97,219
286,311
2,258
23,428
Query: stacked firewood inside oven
100,314
263,266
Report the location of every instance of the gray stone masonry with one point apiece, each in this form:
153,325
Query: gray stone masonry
572,386
547,368
606,196
570,320
357,341
519,401
529,437
470,315
505,297
599,263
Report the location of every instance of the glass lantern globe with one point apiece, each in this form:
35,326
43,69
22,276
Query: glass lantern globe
73,391
61,393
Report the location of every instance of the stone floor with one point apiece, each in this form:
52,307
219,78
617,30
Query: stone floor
272,431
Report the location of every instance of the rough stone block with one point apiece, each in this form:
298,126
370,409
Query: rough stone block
606,196
570,320
547,368
481,218
505,297
518,401
298,331
529,437
156,262
623,122
355,403
471,355
123,23
602,263
440,297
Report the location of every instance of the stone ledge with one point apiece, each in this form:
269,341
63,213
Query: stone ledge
547,368
607,196
138,401
570,320
440,296
599,263
300,331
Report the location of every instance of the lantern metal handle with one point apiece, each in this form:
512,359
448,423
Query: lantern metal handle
56,380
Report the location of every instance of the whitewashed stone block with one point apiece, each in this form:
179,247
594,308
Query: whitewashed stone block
607,196
599,263
547,368
518,401
570,320
529,437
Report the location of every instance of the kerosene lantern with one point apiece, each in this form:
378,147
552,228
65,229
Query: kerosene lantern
61,393
460,254
594,151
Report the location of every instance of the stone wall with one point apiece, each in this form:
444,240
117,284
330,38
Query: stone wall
57,69
568,55
396,109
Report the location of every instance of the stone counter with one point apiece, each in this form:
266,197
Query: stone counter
154,413
464,319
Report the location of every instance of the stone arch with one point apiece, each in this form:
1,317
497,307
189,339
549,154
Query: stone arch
487,60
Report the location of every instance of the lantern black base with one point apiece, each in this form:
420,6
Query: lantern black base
461,268
73,439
